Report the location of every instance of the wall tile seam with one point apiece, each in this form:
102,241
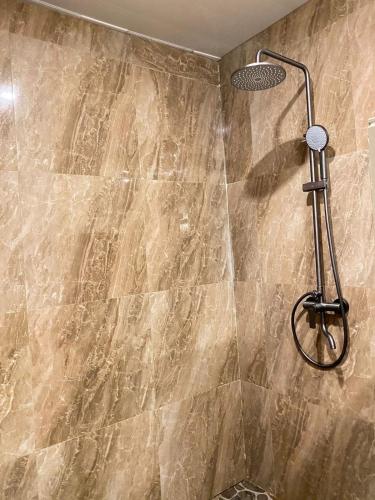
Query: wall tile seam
126,61
330,160
302,284
198,394
297,398
129,295
271,489
95,430
154,412
119,178
232,273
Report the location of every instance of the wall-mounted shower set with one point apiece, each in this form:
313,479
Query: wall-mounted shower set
262,76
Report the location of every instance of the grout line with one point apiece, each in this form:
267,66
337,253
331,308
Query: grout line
232,282
153,411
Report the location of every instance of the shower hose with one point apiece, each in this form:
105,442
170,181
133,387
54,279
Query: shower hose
314,295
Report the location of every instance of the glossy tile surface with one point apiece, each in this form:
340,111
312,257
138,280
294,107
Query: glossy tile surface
187,240
8,152
304,436
92,366
149,54
361,27
203,437
16,413
110,117
194,341
47,25
12,280
83,238
18,478
116,462
175,149
258,437
90,127
116,301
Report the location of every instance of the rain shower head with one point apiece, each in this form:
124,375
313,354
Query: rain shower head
258,76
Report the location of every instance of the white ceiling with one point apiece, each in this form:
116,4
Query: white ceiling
210,26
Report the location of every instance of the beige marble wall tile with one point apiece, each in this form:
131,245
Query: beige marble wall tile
243,226
11,267
350,186
44,24
237,135
83,238
271,226
352,459
4,15
257,411
18,479
104,124
331,81
362,38
265,340
153,55
187,235
252,337
16,412
89,127
172,148
314,17
355,243
314,447
307,447
48,25
117,462
92,366
350,389
194,341
8,152
201,451
300,444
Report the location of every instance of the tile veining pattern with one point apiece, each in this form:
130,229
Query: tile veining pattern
118,353
244,491
308,434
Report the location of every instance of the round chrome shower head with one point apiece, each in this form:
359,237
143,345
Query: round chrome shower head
258,76
317,137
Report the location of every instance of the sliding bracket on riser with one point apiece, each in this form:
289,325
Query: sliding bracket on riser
314,186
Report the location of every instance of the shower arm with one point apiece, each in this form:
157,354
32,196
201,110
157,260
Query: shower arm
310,122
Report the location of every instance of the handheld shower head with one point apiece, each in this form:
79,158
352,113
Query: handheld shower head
317,137
258,76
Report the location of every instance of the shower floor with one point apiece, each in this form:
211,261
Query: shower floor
244,491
